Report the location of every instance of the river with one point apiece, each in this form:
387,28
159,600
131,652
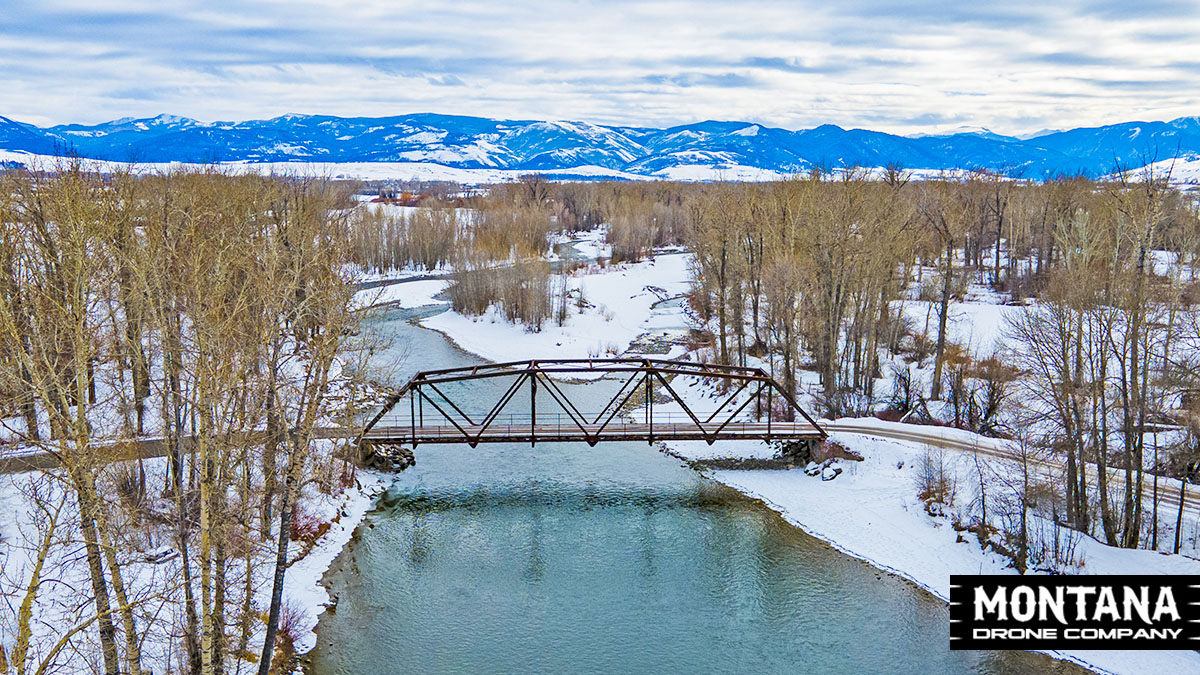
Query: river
609,559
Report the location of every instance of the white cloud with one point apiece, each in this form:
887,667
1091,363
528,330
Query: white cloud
900,67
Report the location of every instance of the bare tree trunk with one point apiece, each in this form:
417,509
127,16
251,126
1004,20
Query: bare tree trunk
1179,517
1154,497
108,633
943,313
29,407
219,610
133,652
191,636
285,525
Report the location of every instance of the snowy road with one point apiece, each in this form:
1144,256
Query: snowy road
955,439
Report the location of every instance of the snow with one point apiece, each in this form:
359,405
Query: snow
621,310
889,527
979,325
302,584
1184,171
707,172
406,294
426,137
151,567
423,166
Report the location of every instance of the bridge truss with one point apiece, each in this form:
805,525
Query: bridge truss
750,405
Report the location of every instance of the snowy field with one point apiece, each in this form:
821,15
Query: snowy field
1185,172
427,171
407,294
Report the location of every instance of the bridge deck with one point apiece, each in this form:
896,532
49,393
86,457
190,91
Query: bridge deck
563,432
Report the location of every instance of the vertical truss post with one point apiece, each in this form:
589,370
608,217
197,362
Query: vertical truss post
533,405
412,417
649,409
770,408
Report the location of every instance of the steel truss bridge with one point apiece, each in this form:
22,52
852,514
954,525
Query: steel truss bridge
443,406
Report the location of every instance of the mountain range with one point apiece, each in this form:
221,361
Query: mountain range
527,145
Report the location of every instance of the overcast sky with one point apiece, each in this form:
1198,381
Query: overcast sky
897,66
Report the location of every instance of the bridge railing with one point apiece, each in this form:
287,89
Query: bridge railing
566,419
551,426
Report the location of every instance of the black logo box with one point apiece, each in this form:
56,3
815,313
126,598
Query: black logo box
1044,630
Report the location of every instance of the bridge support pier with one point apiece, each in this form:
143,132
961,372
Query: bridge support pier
799,452
382,456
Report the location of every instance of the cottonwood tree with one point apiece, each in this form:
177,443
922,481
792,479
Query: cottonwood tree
54,322
943,208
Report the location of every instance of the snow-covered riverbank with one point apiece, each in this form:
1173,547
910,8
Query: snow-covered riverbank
871,511
344,512
151,566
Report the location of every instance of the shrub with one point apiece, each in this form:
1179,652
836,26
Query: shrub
977,391
834,450
131,490
921,348
936,482
473,291
1024,285
904,391
931,287
306,527
291,620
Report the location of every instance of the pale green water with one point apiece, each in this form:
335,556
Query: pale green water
612,559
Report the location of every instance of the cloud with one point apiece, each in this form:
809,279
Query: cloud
1071,59
728,80
449,80
901,67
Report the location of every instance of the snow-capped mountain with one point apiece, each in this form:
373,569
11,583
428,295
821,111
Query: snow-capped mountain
480,143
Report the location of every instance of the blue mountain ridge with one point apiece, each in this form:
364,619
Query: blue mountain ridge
477,143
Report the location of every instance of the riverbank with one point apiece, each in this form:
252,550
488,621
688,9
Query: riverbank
152,568
613,307
303,589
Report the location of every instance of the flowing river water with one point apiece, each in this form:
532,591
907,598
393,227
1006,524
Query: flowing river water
565,558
